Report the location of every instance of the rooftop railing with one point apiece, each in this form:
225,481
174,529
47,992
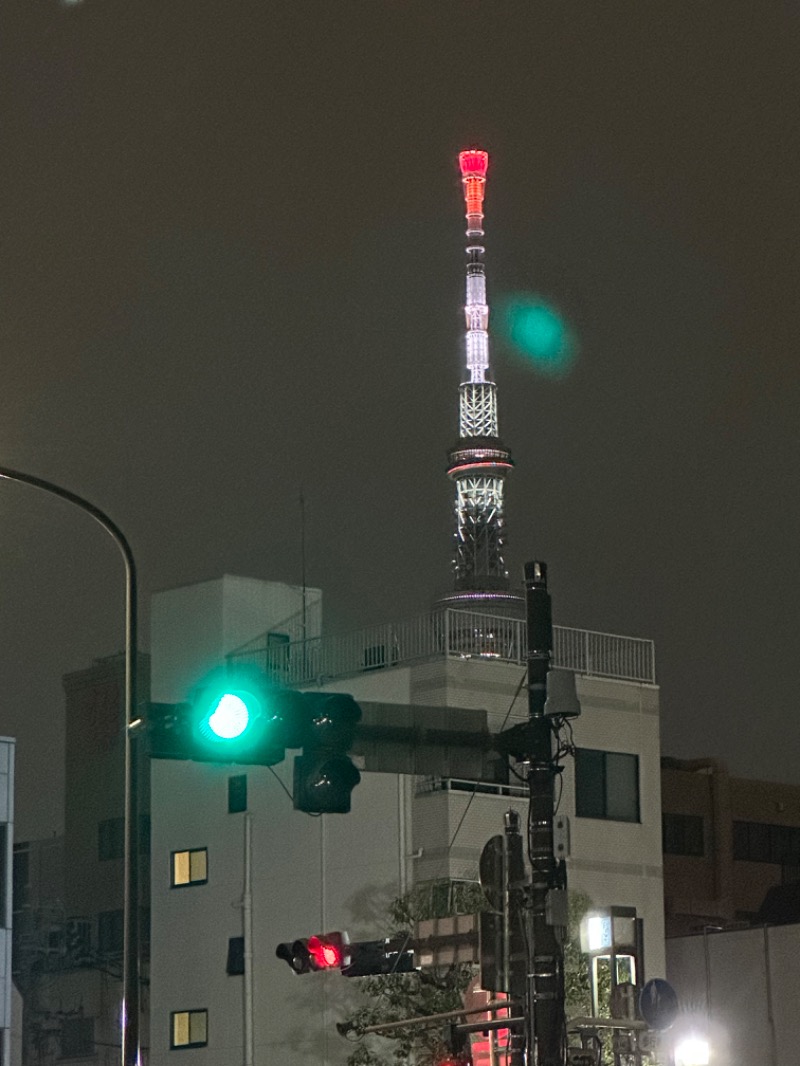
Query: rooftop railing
445,633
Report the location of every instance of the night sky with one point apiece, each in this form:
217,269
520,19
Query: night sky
231,270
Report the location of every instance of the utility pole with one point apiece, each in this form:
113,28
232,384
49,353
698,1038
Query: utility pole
538,977
545,1005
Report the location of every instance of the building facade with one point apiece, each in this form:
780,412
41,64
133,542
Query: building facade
728,841
232,860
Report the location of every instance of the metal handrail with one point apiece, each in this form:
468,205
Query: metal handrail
446,632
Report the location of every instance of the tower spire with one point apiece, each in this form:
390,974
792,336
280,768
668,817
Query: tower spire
478,463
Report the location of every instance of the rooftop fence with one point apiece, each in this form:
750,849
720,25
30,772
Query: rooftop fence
444,632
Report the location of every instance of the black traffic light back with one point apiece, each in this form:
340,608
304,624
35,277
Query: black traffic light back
324,775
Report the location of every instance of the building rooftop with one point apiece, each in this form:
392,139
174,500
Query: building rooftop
444,633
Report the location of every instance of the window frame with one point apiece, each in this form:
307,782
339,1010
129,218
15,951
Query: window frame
190,1044
192,882
604,756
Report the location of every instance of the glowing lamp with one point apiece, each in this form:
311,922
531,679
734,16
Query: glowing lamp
230,717
325,954
693,1051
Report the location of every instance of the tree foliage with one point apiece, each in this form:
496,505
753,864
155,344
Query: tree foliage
396,997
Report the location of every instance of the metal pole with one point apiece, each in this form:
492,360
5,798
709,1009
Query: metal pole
545,992
131,964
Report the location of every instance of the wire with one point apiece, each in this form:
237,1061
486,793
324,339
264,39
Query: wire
475,784
312,814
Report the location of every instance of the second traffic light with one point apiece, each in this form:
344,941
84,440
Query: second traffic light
324,775
333,951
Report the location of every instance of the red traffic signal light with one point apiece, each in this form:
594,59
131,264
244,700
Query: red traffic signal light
326,951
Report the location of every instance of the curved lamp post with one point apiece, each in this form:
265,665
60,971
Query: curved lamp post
131,942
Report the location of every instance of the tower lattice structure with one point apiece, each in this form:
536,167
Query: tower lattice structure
479,462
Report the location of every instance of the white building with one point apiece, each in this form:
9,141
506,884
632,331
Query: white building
229,856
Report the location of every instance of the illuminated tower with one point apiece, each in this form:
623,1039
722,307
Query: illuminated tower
479,462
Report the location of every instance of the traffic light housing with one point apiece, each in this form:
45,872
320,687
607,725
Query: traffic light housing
325,951
239,716
324,775
233,716
333,951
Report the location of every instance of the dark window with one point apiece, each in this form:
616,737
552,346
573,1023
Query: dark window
237,794
110,932
682,834
189,1028
235,964
607,785
111,838
3,870
762,842
21,876
77,1038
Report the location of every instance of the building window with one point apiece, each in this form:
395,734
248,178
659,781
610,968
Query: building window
235,964
77,1038
111,838
189,1028
110,926
237,794
606,785
682,834
761,842
189,867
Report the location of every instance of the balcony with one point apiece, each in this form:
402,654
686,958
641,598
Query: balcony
445,633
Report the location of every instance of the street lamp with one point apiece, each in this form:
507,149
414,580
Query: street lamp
131,961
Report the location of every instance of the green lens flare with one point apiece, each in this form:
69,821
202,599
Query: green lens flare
230,718
537,331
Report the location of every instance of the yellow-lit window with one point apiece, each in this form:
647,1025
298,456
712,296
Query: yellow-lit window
189,867
189,1028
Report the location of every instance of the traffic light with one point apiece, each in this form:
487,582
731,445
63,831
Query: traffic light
234,716
326,951
324,775
333,951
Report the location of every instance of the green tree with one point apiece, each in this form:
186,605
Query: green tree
397,997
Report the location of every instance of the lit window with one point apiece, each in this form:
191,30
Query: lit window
189,1028
607,785
189,867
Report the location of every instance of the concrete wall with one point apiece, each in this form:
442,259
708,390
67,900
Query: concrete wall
741,987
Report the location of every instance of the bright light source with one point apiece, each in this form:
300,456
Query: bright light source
230,717
693,1051
598,932
326,955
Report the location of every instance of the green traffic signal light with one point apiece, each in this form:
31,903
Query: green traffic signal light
230,716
